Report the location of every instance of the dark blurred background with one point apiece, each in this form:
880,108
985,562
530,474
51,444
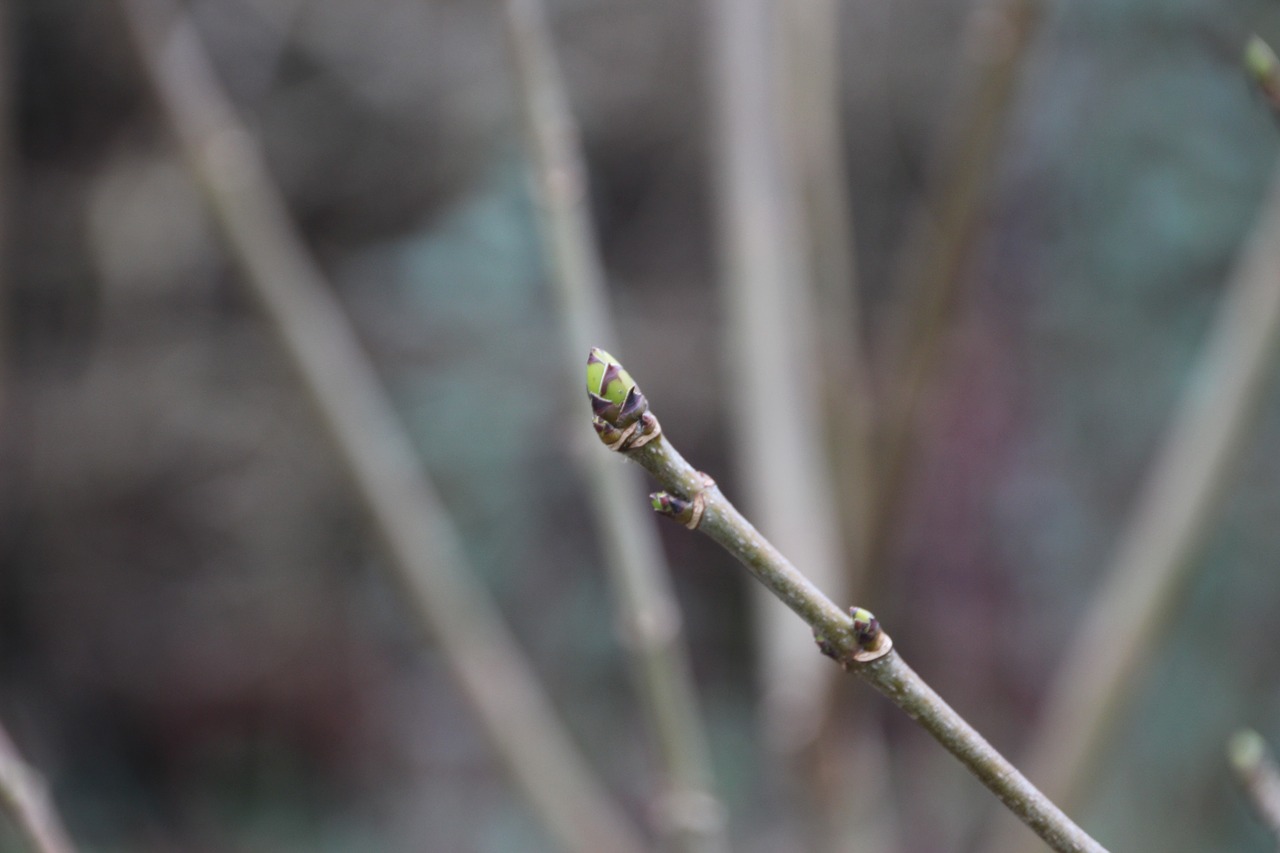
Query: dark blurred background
197,647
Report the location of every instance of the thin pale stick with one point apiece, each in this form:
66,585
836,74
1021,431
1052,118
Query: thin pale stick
24,797
772,357
813,69
426,559
1136,601
690,816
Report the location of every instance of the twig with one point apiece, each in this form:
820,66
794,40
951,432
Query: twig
426,557
772,358
996,40
1155,556
25,799
812,68
1255,768
624,422
691,817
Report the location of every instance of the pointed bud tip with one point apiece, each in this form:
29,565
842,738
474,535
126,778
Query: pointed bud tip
1260,60
607,378
865,625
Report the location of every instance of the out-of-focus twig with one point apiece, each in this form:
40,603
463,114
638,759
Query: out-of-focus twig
624,422
773,364
425,554
690,816
1156,554
995,42
812,67
25,799
1255,767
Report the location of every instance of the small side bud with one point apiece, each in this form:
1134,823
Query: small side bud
688,513
866,628
608,433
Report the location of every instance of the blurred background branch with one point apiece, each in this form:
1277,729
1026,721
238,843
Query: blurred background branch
930,265
690,816
425,554
773,376
1141,597
25,799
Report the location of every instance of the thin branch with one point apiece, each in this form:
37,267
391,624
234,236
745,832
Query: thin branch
426,558
1156,555
691,817
815,108
995,43
1259,776
25,799
773,359
624,422
812,66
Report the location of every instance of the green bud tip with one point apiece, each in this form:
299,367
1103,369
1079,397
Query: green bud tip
1260,60
607,378
668,504
619,412
866,628
1245,750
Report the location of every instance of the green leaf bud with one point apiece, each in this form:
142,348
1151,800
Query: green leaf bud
615,397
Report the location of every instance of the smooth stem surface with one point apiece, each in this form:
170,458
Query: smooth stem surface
425,557
888,674
691,818
772,359
1155,558
25,799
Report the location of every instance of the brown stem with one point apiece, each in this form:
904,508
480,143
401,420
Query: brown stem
835,631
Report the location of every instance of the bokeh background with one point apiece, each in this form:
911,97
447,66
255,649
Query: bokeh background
198,647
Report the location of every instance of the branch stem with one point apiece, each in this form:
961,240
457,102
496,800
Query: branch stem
834,627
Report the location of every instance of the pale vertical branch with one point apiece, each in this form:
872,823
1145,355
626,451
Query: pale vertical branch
1259,777
996,40
1156,555
773,362
426,558
24,797
816,134
850,769
690,816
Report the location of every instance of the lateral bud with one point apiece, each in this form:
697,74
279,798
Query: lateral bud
688,513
